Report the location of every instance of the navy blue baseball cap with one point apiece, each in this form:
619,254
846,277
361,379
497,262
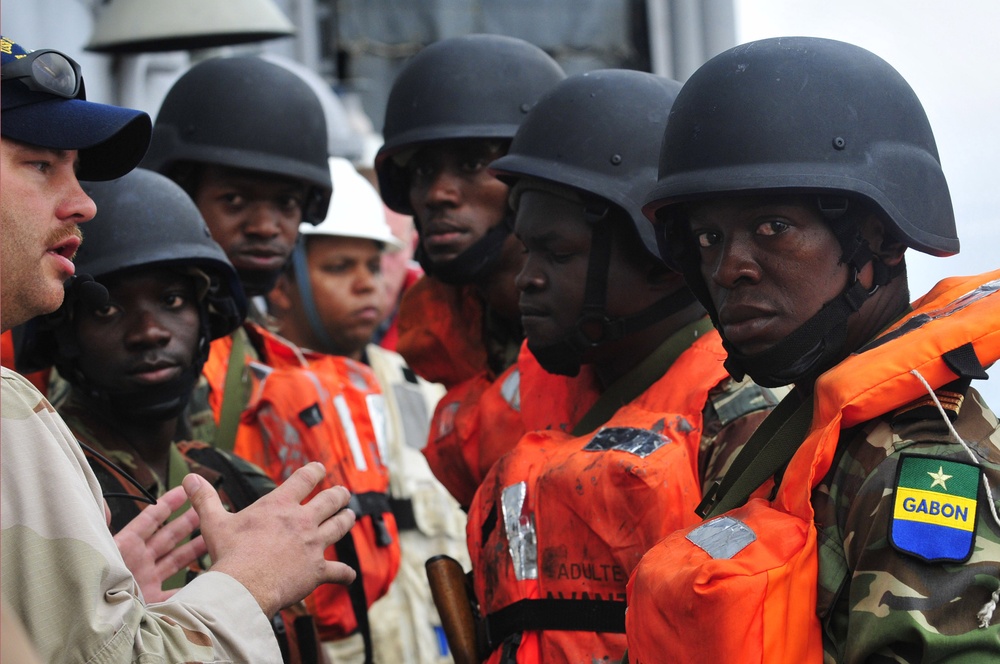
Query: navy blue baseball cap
43,103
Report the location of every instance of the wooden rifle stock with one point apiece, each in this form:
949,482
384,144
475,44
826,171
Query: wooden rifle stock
448,588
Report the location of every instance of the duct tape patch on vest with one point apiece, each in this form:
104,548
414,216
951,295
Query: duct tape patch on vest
640,442
934,508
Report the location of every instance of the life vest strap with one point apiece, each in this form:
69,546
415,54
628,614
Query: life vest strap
402,509
373,504
567,615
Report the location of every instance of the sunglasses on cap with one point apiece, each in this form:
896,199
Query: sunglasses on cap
46,70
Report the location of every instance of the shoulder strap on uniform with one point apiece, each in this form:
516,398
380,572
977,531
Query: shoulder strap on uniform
232,400
630,386
767,451
242,481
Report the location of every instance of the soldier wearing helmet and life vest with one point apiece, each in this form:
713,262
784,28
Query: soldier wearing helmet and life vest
255,181
859,523
629,401
453,109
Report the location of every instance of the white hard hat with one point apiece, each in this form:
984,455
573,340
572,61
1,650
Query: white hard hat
356,209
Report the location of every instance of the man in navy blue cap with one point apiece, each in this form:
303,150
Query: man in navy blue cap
63,574
51,129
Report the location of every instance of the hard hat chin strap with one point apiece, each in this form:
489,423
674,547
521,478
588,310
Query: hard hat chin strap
300,266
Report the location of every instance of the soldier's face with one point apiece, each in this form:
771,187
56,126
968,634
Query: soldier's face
255,217
454,197
145,336
557,241
770,264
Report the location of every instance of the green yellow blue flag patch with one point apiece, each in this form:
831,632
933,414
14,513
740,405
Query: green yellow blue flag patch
934,508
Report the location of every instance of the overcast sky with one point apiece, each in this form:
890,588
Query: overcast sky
947,51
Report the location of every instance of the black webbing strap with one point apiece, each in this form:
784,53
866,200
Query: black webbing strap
306,637
373,504
348,554
767,451
281,634
369,503
402,509
566,615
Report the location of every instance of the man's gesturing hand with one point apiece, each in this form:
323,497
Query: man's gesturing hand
150,547
275,546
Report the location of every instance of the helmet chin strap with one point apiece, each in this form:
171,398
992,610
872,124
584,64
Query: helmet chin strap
594,328
476,262
258,282
815,344
155,403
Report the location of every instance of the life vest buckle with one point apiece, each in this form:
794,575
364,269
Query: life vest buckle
708,502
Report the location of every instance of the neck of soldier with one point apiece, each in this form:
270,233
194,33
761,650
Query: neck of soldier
618,358
149,439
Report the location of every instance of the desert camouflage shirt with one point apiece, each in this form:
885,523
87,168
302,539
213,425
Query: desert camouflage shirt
64,577
879,601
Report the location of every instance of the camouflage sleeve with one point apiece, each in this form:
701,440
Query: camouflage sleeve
909,545
734,410
63,575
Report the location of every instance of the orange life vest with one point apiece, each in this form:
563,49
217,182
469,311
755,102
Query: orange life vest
549,401
560,521
390,333
441,332
40,379
481,419
274,351
755,600
478,419
306,407
474,424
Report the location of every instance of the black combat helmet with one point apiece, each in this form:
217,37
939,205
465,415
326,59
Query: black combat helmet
245,112
802,115
598,135
809,115
476,87
145,220
597,132
470,87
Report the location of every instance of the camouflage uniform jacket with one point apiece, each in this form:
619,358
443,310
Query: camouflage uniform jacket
63,575
238,482
877,603
884,596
